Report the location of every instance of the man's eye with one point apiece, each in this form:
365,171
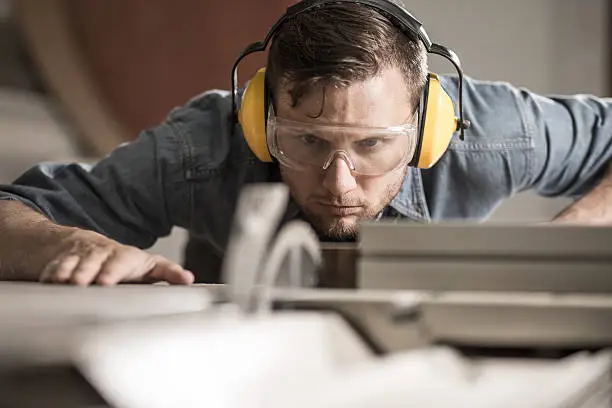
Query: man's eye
310,140
372,142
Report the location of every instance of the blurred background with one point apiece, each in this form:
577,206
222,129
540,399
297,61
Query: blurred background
77,77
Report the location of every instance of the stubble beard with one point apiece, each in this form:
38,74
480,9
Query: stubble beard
344,229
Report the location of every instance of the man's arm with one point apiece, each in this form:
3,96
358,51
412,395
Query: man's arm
595,208
572,138
572,153
77,223
23,234
34,248
122,196
556,146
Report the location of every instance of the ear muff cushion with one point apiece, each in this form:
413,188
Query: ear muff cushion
252,116
440,124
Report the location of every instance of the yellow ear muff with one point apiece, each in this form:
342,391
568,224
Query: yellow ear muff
440,124
252,116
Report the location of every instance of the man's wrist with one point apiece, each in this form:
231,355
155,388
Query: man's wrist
28,241
595,208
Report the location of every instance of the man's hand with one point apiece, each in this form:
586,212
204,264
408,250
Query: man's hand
35,248
83,257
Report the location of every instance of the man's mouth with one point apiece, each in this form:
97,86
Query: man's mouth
341,210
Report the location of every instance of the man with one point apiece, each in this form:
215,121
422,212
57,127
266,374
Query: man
343,66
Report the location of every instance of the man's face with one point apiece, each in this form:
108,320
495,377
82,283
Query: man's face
336,199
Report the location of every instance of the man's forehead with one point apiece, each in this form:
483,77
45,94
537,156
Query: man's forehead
380,101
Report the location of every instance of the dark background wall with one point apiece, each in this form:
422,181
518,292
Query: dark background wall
147,56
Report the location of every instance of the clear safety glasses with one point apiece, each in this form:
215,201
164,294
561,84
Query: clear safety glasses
369,151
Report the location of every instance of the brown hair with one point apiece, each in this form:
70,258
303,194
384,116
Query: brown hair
341,43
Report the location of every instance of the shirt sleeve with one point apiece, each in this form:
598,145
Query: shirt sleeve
518,140
572,138
123,196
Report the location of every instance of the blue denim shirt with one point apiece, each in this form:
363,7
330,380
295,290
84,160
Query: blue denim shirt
189,170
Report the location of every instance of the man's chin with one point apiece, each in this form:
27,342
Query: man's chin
339,229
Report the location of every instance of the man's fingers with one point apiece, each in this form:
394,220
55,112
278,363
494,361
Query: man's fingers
109,265
50,268
170,272
89,267
122,266
60,270
65,269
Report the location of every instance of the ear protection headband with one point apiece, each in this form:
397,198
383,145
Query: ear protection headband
437,121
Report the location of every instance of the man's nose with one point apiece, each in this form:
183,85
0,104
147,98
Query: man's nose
338,178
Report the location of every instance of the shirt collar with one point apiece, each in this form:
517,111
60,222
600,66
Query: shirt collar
410,201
